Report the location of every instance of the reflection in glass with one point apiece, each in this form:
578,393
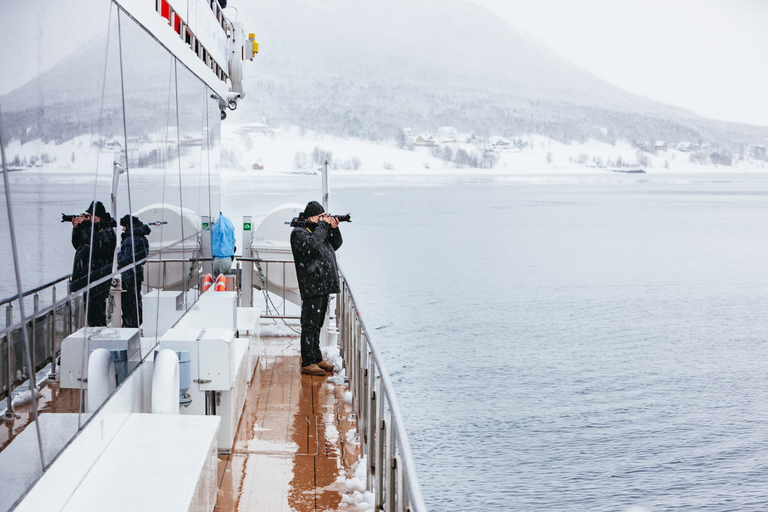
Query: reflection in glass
56,111
108,116
162,150
213,158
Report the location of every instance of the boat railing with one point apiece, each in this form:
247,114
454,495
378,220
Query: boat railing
390,466
52,320
194,273
260,270
56,314
391,473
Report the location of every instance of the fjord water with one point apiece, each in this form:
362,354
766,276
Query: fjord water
572,343
591,342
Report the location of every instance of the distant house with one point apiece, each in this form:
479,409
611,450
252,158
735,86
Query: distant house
447,134
659,145
257,167
684,146
424,139
499,142
254,128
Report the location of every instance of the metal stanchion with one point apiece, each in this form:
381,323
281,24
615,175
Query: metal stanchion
8,416
52,375
33,344
389,475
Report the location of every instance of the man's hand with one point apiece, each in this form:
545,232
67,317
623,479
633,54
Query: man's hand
333,221
80,219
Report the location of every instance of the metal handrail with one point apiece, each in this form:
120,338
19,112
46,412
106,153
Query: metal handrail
40,315
391,470
265,279
35,290
256,260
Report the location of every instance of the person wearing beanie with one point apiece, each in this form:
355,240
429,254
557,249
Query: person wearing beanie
314,255
93,238
134,248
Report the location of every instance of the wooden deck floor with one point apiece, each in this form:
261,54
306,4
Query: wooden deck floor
290,452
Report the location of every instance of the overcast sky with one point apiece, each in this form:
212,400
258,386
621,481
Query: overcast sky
710,56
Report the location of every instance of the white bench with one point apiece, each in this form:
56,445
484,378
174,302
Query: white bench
162,462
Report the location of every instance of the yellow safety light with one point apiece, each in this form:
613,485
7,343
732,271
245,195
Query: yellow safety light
254,45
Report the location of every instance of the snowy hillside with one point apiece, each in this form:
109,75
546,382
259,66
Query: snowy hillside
269,152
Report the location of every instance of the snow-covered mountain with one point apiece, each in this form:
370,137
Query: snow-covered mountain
370,68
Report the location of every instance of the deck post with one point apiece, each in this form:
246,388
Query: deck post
246,291
389,476
371,422
207,249
9,381
36,309
399,485
378,446
52,375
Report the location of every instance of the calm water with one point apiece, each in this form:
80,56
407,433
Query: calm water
592,343
571,343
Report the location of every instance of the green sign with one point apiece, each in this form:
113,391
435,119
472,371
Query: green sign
246,226
205,225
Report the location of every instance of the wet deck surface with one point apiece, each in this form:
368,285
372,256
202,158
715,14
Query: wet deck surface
290,451
52,399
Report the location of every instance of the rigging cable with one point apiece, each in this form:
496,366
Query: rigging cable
32,383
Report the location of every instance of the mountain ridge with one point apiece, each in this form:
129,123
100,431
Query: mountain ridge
370,69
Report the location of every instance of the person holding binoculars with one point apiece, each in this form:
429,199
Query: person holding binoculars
314,247
94,240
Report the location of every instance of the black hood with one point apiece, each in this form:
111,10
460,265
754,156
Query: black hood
138,228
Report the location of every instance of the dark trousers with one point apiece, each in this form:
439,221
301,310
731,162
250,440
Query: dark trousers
312,316
131,305
97,307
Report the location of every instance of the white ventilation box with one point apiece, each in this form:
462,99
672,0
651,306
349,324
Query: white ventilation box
187,339
212,309
162,309
217,360
74,359
219,373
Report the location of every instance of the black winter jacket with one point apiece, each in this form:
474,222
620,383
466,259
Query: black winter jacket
138,232
315,259
104,243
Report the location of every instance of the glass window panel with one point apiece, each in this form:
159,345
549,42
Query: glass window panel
53,98
192,111
105,114
153,177
213,124
192,114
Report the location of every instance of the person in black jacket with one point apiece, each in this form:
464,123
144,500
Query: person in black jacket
93,238
315,259
134,248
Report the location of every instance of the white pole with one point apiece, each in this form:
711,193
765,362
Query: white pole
326,189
